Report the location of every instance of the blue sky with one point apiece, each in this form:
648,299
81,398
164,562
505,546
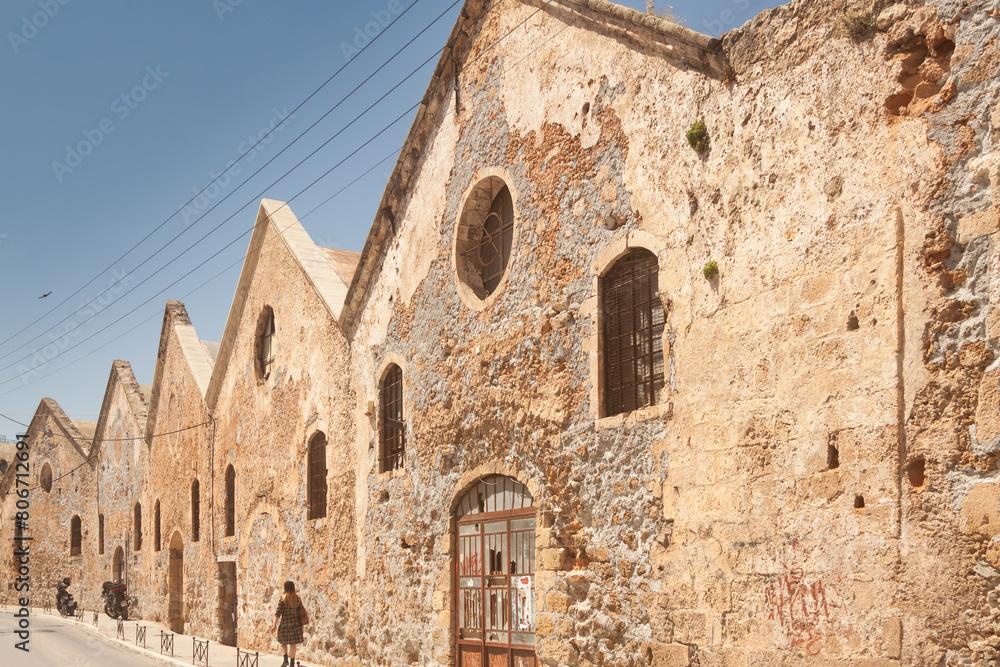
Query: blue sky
117,113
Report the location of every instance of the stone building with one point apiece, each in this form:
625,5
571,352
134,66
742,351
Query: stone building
592,394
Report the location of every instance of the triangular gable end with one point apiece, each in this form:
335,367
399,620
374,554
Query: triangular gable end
673,40
121,374
175,318
310,258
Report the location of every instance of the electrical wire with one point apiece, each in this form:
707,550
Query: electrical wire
245,181
199,193
313,183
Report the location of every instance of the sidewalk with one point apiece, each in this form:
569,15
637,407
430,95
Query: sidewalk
219,655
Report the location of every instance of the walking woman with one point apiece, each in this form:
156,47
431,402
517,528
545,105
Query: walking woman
292,616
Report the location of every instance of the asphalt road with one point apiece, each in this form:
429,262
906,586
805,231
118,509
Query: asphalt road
54,643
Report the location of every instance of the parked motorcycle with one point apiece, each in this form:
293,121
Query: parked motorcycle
116,600
64,599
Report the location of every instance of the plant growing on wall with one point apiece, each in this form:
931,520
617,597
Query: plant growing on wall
711,270
857,24
697,136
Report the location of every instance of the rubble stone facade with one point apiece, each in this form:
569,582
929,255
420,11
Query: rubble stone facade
809,475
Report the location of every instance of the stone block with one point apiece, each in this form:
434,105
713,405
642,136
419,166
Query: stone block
892,637
667,655
557,602
543,625
559,653
981,510
988,410
553,559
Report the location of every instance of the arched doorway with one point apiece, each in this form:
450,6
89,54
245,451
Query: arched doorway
495,575
175,584
118,566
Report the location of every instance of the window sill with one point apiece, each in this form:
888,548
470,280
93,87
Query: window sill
660,411
391,474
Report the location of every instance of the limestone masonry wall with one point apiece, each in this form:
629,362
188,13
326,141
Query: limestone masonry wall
817,482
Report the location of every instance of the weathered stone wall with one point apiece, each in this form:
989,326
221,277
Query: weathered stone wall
59,442
263,430
818,483
178,440
122,462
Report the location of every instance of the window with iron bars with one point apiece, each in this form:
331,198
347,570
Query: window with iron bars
393,432
317,476
230,501
266,344
633,333
75,536
195,511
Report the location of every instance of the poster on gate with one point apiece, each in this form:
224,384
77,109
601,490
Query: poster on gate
525,607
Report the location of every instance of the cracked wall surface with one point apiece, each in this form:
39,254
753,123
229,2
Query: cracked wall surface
817,483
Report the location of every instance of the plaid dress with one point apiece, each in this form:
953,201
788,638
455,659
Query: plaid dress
290,626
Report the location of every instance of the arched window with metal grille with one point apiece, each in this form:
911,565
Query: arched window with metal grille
265,343
230,501
195,511
316,476
156,526
137,526
632,342
75,536
392,438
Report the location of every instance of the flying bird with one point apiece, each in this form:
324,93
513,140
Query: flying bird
45,295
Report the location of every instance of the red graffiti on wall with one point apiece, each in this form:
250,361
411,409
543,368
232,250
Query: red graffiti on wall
803,608
471,566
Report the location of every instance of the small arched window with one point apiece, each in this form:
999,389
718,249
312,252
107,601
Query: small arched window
156,526
100,534
45,477
633,333
75,536
195,511
137,526
230,501
316,476
392,437
118,566
265,343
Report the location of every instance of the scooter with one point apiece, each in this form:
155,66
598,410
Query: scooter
116,600
64,599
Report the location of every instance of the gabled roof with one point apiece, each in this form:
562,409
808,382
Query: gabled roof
675,42
197,358
121,374
313,261
79,433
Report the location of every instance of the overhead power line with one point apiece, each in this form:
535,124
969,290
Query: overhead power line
200,192
314,182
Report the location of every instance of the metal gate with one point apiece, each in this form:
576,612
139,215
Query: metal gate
495,574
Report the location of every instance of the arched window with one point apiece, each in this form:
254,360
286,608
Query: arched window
392,437
195,511
230,501
156,526
137,526
632,334
316,476
265,343
45,477
495,590
75,536
118,566
100,534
